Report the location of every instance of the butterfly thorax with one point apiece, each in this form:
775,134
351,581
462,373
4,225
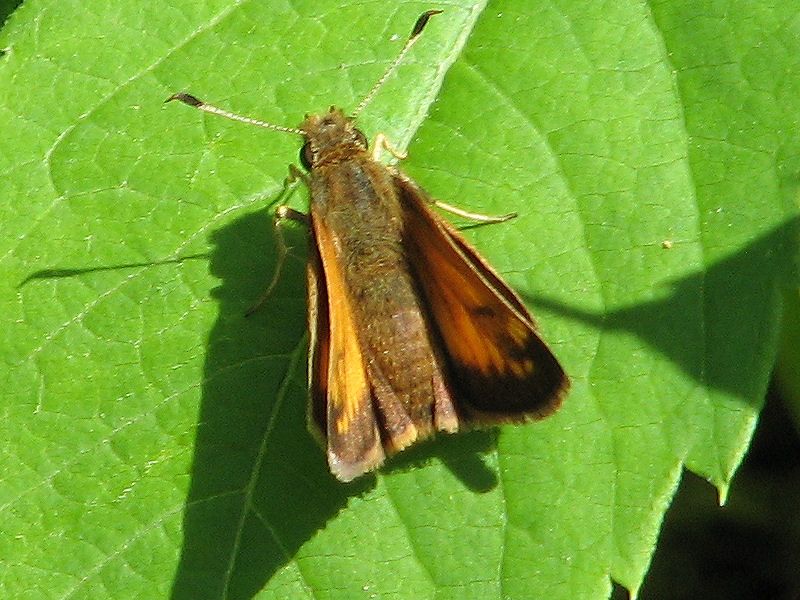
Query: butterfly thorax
330,139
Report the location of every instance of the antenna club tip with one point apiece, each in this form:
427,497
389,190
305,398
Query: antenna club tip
185,98
423,20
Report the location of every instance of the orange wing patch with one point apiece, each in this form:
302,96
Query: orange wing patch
318,346
353,437
480,330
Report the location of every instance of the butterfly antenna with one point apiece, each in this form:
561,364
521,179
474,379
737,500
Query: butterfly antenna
415,33
209,108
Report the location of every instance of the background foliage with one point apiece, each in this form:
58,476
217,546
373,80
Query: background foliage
153,439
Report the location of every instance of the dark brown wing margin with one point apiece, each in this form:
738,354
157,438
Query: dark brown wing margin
502,370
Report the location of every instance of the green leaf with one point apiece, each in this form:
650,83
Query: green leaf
154,438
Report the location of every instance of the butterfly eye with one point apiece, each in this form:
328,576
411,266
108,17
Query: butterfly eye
361,139
307,156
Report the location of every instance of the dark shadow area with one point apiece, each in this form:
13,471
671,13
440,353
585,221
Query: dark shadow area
618,592
260,486
61,273
6,8
748,549
460,453
717,325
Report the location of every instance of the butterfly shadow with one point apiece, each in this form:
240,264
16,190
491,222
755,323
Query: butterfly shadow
260,486
718,325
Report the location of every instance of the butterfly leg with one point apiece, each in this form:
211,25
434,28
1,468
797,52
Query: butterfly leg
474,216
381,143
453,209
282,214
